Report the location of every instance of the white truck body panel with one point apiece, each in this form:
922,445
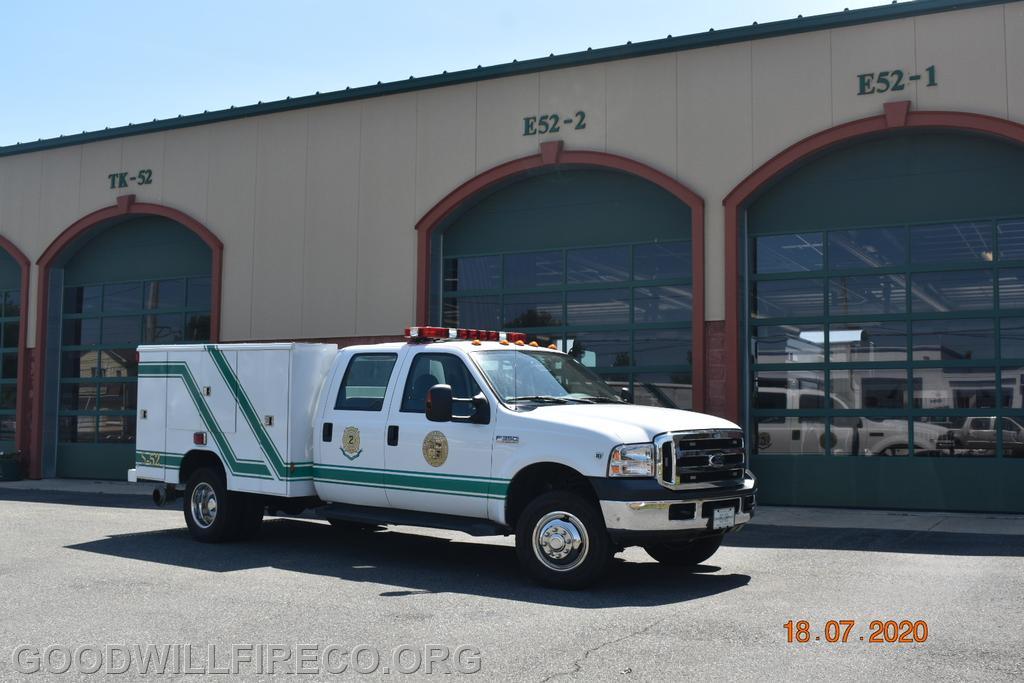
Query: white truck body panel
254,403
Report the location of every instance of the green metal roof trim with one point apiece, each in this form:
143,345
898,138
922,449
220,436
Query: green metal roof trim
590,56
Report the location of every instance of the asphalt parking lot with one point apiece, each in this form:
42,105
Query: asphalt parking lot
87,570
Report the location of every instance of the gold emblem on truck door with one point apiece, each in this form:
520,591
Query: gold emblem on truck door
435,448
350,443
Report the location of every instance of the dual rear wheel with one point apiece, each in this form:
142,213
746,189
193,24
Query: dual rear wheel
214,514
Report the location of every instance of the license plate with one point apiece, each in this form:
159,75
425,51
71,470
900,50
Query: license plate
723,518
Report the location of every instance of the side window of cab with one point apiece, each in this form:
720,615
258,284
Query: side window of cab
428,369
365,382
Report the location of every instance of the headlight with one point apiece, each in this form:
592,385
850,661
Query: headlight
632,460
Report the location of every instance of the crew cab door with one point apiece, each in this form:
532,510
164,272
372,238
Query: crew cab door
437,466
352,428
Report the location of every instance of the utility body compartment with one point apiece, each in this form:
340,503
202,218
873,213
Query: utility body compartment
252,404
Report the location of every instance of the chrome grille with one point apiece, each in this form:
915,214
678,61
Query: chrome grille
700,459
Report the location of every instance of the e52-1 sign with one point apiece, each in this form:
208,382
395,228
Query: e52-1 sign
878,82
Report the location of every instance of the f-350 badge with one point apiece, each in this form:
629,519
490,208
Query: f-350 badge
350,443
435,448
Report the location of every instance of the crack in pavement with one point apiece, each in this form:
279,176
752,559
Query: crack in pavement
577,664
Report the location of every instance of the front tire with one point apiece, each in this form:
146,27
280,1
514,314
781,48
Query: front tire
561,541
212,513
685,553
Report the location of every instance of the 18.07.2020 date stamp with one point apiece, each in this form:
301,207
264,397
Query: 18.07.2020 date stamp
845,631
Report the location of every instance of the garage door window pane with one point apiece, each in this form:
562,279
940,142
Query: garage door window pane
1012,337
118,363
662,347
538,269
601,264
82,332
867,295
122,297
790,436
789,298
82,299
1011,240
950,243
11,302
165,294
122,330
532,310
861,435
600,349
472,272
954,339
1011,288
789,344
867,248
969,290
954,388
664,389
662,304
597,307
868,388
868,341
789,253
662,261
474,312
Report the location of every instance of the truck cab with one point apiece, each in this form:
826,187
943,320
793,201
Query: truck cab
489,434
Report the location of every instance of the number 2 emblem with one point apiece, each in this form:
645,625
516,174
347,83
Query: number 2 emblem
350,443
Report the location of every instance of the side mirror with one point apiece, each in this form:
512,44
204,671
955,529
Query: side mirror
481,410
439,403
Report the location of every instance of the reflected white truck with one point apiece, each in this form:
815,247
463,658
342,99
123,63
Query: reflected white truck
850,435
487,436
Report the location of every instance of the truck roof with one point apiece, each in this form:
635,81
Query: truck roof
461,345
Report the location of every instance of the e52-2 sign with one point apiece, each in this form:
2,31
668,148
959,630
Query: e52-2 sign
878,82
553,123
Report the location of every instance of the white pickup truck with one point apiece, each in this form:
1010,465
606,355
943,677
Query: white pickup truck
456,429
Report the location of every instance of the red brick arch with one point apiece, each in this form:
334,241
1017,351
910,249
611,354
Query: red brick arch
125,206
896,116
21,391
553,155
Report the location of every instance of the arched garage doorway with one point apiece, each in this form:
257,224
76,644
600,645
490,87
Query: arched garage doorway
883,312
134,274
594,252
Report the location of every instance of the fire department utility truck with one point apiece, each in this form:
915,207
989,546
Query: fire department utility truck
460,429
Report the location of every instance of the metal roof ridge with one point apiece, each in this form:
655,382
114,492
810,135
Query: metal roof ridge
712,37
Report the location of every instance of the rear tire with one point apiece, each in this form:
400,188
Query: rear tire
212,513
251,521
561,541
685,553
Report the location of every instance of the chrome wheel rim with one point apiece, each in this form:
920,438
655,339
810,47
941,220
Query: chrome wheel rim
560,541
204,505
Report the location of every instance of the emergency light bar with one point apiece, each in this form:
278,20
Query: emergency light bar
428,333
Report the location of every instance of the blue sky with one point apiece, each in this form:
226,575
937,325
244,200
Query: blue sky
81,65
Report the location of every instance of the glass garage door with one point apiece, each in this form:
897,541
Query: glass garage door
10,326
101,327
623,310
894,341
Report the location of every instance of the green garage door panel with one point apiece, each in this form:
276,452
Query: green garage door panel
10,325
568,209
907,178
147,248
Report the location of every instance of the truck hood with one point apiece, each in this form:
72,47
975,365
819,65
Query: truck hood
625,423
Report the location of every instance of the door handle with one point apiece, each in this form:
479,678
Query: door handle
392,435
328,432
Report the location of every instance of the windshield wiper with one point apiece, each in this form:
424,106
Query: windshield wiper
604,399
539,399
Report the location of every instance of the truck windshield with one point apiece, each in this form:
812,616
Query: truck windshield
541,377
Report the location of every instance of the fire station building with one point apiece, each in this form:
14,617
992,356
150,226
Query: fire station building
813,227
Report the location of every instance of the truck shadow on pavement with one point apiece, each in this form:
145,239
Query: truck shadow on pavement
414,563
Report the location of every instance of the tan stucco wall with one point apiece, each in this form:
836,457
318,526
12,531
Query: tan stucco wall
316,207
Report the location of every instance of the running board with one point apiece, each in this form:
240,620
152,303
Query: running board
431,520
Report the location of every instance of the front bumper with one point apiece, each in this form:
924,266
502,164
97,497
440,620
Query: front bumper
641,510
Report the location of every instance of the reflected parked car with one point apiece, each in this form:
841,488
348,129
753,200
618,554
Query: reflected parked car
977,437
